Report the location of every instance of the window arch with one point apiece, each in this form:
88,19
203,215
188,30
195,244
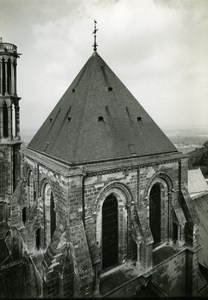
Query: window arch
122,200
159,209
155,212
110,232
49,213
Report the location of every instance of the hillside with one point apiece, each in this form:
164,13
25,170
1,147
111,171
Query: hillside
199,158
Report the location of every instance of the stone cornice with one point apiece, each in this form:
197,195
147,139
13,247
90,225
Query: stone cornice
140,163
15,98
102,168
9,141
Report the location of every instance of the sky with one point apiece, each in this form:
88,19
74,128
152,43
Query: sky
158,49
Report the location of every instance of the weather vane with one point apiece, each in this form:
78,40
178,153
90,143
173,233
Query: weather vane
94,32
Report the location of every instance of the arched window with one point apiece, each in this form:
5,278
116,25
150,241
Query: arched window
49,214
155,212
31,191
9,83
24,215
110,232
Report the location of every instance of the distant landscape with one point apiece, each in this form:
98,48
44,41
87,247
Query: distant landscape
185,140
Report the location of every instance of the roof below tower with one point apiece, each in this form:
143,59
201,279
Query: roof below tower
98,119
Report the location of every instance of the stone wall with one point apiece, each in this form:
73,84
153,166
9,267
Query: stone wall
136,184
171,276
79,194
67,193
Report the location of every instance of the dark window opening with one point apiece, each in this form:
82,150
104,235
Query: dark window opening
37,238
51,119
9,76
69,119
155,213
5,121
34,195
175,232
110,232
53,215
100,119
73,90
110,89
24,215
3,78
139,119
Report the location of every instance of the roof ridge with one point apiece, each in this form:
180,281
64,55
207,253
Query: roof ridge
81,119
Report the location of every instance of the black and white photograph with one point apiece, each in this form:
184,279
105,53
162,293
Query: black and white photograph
103,149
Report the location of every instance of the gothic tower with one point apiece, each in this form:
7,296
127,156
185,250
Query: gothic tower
9,131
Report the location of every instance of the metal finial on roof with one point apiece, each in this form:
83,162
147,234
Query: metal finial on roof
94,32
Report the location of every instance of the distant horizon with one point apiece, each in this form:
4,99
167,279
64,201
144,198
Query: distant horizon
27,134
30,130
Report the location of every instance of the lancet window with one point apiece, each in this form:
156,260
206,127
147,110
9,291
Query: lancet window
49,213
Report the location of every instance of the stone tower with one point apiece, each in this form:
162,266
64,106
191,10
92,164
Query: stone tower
107,195
9,131
102,208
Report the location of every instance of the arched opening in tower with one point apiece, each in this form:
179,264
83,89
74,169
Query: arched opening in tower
155,213
5,121
9,83
110,232
3,87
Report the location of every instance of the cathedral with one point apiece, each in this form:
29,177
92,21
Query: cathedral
98,204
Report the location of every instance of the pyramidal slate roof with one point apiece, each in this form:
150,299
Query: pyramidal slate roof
98,119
